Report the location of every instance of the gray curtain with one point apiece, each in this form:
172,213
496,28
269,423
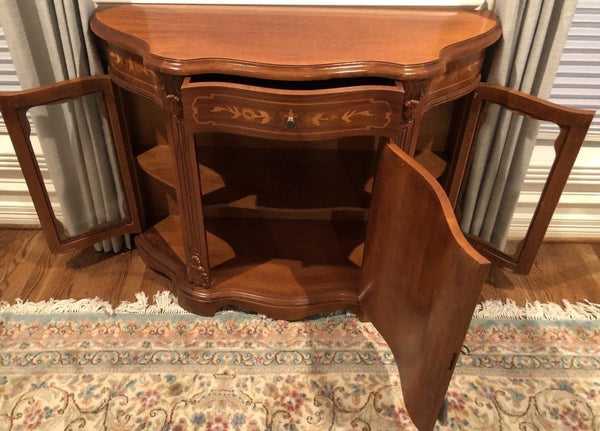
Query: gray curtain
526,59
50,41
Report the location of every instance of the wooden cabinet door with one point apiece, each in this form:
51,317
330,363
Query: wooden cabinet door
500,131
68,103
421,280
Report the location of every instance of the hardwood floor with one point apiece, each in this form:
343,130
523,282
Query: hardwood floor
28,271
563,270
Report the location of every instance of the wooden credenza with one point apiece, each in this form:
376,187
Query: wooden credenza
266,156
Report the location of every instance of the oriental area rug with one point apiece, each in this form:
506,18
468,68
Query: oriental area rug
81,365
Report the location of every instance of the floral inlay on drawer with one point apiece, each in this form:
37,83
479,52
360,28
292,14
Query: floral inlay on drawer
245,113
294,113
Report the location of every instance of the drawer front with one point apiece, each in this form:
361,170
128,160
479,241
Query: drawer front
293,114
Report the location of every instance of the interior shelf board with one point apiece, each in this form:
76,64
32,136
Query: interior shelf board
247,208
289,260
431,161
158,163
287,280
170,230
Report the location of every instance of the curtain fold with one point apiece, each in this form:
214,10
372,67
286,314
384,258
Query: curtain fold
50,41
526,59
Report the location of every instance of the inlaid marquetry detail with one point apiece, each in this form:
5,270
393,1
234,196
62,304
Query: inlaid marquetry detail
275,113
241,114
245,113
461,76
130,68
263,117
318,117
126,63
348,115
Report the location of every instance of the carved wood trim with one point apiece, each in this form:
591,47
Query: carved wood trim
196,272
189,195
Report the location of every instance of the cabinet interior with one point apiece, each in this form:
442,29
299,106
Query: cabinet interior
319,84
156,170
438,139
290,212
293,213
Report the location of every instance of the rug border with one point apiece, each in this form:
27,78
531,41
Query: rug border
166,303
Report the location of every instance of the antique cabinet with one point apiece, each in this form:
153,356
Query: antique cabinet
266,160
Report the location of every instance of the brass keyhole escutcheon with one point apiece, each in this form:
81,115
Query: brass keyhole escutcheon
290,121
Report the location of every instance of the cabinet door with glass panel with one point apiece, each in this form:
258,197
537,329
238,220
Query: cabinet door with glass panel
503,215
80,126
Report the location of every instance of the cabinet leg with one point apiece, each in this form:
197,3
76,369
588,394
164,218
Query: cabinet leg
443,414
362,316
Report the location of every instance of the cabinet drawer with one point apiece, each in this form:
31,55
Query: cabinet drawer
296,110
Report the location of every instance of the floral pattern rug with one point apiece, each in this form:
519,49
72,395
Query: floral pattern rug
239,371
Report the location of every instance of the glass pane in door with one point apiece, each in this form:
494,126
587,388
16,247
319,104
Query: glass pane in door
74,150
509,167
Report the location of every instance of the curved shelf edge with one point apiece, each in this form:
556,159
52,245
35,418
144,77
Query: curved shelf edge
161,248
158,163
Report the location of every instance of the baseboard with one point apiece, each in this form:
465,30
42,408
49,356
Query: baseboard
578,212
16,207
577,216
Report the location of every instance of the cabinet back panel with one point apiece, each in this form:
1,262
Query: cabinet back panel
309,178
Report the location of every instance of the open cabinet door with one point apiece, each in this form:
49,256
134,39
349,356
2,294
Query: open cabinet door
421,280
494,158
65,110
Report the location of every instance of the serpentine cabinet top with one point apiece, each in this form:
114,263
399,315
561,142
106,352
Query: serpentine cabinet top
296,43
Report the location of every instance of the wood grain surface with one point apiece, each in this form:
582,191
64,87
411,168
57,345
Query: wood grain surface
330,41
421,270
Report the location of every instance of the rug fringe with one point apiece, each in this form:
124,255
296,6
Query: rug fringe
166,303
585,310
54,306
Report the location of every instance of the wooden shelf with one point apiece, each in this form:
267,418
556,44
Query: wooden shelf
169,229
431,161
158,163
289,262
264,255
290,178
247,208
